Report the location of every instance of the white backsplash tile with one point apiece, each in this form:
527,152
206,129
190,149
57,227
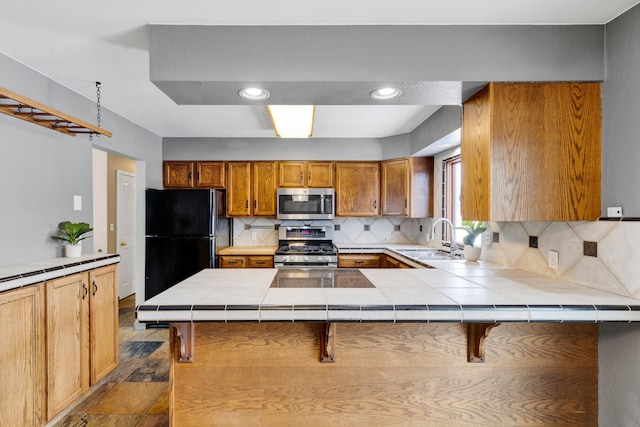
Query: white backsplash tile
615,269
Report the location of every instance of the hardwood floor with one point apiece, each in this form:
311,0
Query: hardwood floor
136,393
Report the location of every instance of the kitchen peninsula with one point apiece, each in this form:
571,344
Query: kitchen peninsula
248,346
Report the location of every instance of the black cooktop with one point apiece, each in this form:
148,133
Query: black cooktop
320,278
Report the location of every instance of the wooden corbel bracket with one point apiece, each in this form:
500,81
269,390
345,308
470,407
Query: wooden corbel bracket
185,334
477,332
327,342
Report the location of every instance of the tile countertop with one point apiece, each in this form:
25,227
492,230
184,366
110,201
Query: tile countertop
19,275
453,291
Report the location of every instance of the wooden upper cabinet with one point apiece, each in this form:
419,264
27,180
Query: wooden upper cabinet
251,188
407,187
532,152
239,189
177,174
209,175
357,189
306,174
265,183
192,174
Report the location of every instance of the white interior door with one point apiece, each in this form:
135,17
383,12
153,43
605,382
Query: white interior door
126,231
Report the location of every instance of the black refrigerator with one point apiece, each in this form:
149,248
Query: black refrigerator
184,231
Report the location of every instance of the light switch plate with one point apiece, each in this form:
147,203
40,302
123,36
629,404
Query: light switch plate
77,203
553,259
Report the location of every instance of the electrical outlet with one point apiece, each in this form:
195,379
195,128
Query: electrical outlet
614,212
388,235
553,259
254,235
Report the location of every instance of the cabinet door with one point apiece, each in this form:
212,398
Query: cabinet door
239,188
233,261
395,187
103,315
291,174
260,261
210,175
177,174
357,189
22,357
265,182
359,261
320,174
67,341
532,152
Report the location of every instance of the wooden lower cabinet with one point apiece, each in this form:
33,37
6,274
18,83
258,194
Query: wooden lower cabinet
103,325
359,261
67,341
22,357
246,261
82,334
391,262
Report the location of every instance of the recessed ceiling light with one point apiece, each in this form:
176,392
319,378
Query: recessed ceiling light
254,94
385,93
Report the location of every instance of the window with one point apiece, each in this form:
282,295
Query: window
451,192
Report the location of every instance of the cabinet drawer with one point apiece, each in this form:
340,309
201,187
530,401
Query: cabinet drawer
233,262
260,261
359,261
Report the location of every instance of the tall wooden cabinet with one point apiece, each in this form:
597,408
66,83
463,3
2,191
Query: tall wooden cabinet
306,174
357,189
407,187
82,334
251,188
22,357
532,152
193,174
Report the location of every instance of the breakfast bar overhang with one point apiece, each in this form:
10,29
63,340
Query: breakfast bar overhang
460,344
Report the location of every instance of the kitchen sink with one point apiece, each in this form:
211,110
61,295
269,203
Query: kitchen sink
424,254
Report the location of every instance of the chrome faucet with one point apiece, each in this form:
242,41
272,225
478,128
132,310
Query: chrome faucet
453,245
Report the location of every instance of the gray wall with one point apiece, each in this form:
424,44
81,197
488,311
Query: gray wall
621,113
41,170
271,149
619,345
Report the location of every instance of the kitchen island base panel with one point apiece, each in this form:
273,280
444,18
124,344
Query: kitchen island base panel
270,374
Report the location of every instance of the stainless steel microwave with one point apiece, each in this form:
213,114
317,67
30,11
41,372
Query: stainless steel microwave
306,203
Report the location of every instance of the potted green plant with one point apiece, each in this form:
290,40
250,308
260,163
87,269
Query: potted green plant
73,233
473,229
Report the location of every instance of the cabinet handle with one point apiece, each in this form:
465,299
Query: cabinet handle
95,288
233,262
260,262
197,176
405,203
301,178
246,205
190,176
359,262
255,204
375,204
309,177
85,289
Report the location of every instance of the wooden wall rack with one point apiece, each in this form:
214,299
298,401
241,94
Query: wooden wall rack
24,108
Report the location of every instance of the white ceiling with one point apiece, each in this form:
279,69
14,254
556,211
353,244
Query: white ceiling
79,42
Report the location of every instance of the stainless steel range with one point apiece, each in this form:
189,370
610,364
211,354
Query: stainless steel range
306,247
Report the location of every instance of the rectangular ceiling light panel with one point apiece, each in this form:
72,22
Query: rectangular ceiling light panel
292,121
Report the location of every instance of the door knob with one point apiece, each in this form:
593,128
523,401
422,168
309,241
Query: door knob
123,243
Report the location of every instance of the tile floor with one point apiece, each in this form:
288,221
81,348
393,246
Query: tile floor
136,392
